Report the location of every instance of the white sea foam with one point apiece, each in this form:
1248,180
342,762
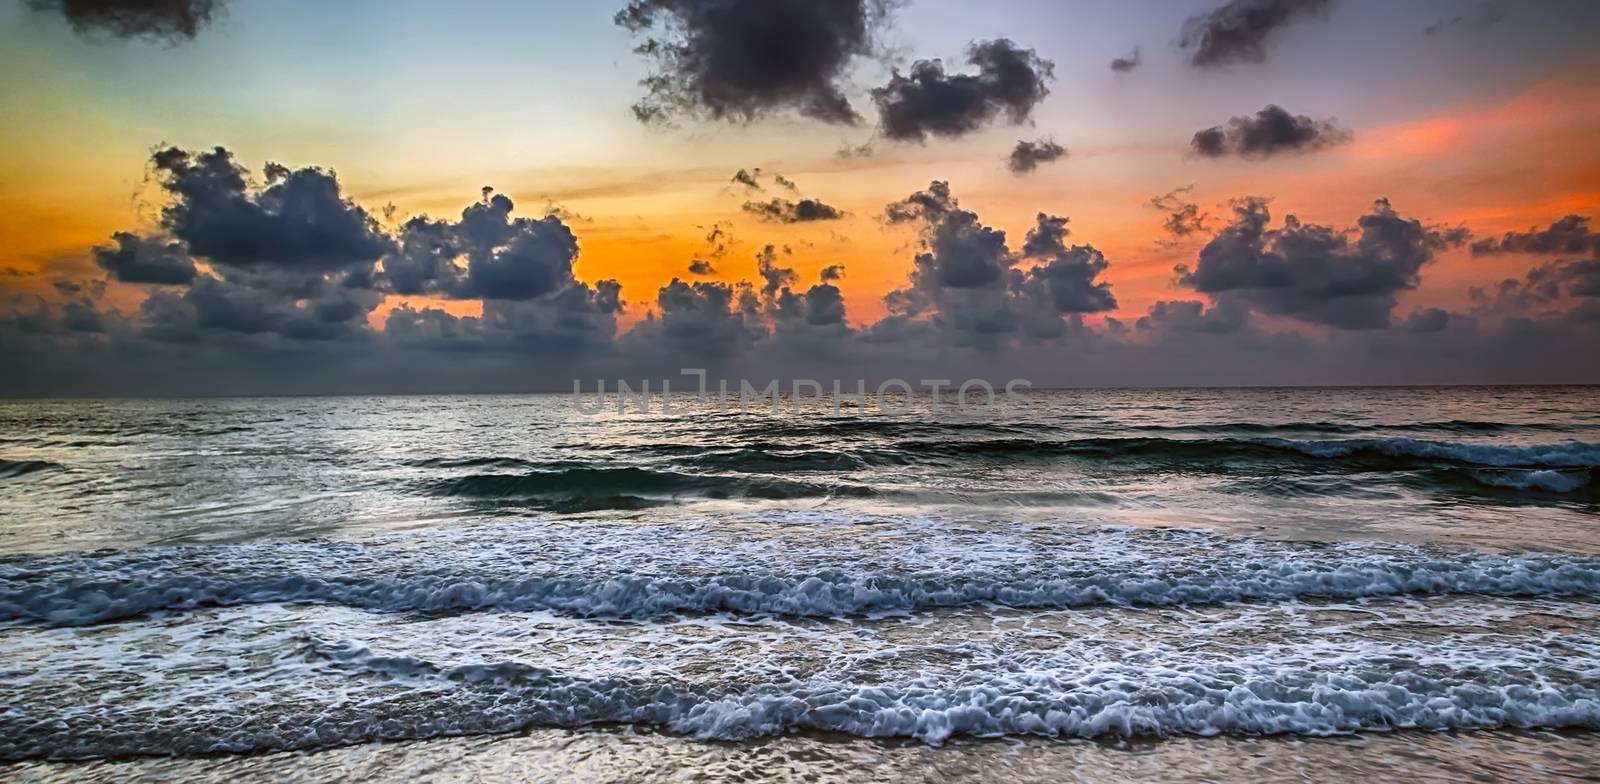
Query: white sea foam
260,678
1544,480
642,571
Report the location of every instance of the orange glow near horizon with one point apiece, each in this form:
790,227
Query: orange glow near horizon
1522,162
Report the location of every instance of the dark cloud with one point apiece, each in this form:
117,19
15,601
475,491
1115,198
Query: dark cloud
743,59
1009,81
1564,290
1027,156
718,239
746,178
291,260
1069,274
514,258
506,258
1127,62
296,321
1184,217
705,317
1566,237
78,312
1193,316
785,211
577,324
967,282
425,260
1547,284
774,277
960,252
167,20
1312,273
138,259
1486,15
1271,131
751,180
1237,32
832,272
1427,320
824,305
701,267
298,221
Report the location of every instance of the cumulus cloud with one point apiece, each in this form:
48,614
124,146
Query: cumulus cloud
168,20
505,257
1551,287
744,59
137,259
701,267
1127,62
1069,274
1190,315
927,101
1238,31
1313,273
298,221
1569,236
1027,156
967,282
289,256
704,317
1271,131
779,210
307,313
289,259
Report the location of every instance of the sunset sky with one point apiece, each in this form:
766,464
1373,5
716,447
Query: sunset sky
1477,122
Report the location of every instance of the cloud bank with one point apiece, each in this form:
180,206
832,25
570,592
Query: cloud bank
276,281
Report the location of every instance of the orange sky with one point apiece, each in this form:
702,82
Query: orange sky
1495,162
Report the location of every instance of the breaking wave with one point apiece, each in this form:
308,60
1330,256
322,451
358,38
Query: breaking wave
668,575
576,486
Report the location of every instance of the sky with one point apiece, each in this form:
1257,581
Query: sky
254,196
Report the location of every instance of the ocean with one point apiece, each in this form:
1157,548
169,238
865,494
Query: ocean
1105,585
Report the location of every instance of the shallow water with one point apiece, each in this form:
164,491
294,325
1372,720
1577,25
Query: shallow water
1099,585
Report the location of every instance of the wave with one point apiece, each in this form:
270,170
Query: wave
1271,698
835,428
1316,690
1403,451
11,469
68,600
1567,454
576,486
768,457
487,462
1541,480
1338,428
